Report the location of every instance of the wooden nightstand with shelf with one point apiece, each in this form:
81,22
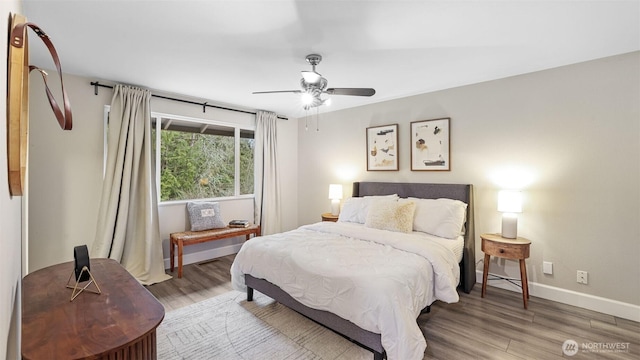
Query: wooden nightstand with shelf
329,217
514,249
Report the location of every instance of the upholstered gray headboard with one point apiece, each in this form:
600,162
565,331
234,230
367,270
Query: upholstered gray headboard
462,192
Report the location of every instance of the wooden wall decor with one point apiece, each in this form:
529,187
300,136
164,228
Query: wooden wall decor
17,110
18,69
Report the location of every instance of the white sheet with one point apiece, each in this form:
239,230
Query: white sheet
377,279
455,245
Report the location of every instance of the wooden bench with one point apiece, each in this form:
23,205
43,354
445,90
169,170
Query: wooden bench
182,239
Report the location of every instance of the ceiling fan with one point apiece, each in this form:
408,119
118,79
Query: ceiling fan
313,85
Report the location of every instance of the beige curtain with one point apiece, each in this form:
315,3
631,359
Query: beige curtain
128,230
267,182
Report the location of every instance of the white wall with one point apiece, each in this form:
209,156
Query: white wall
66,175
12,237
568,137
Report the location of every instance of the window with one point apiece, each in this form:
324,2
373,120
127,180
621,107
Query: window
202,159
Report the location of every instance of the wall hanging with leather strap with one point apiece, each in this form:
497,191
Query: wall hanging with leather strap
18,69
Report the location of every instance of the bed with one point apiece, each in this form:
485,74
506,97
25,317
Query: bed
319,283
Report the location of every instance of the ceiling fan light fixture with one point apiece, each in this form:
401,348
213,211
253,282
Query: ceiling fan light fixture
306,98
311,77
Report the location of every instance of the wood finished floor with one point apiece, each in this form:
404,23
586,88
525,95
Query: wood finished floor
496,327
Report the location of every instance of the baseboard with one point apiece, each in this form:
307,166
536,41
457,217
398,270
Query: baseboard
574,298
205,255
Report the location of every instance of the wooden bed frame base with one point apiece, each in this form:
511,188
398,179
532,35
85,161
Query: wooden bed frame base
364,338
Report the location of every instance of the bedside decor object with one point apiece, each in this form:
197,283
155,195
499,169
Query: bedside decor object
430,145
382,148
239,223
82,272
335,194
18,69
509,204
515,249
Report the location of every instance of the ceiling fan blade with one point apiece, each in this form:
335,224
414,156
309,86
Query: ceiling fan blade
351,91
278,91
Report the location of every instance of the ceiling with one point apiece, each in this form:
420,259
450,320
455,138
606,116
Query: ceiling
222,51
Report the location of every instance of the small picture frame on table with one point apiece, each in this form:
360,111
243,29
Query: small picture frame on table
430,145
382,148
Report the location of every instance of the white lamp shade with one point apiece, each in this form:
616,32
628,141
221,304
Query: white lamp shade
510,201
335,191
311,77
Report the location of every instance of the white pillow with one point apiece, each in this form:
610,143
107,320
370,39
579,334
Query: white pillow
355,209
440,217
350,209
391,215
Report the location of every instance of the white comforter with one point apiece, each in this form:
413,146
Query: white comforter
377,279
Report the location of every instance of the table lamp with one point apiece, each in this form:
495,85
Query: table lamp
510,203
335,194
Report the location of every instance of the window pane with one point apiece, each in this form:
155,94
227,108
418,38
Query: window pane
196,166
247,144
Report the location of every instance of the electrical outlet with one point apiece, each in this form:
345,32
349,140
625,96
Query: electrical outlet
583,277
547,267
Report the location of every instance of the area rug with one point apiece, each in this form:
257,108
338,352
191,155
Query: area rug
228,327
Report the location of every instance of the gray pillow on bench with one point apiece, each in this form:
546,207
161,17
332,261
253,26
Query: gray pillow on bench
204,215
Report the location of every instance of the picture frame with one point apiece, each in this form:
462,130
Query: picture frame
382,148
431,145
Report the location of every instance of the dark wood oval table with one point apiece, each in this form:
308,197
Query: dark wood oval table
119,323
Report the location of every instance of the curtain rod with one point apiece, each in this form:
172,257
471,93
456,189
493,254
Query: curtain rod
204,105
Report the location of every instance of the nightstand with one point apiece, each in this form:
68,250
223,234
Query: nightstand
514,249
329,217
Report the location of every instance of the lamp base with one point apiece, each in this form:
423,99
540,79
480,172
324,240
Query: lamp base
509,226
335,207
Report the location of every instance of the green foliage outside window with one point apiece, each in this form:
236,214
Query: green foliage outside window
201,166
247,147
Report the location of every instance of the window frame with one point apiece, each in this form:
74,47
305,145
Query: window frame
237,128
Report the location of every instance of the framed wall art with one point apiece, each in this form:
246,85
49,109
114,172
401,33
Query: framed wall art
430,145
382,148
